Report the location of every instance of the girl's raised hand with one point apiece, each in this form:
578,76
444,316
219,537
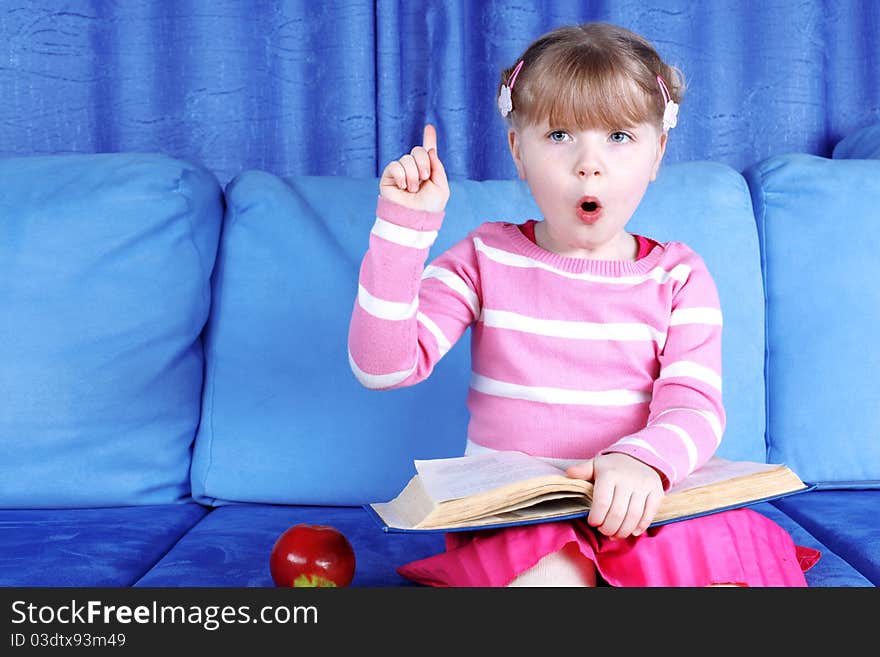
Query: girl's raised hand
417,180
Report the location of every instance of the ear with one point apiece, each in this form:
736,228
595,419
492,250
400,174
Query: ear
661,151
513,142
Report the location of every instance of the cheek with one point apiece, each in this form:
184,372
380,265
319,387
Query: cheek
636,192
549,183
631,187
655,167
542,174
639,174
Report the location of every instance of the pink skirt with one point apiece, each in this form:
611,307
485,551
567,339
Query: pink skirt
740,547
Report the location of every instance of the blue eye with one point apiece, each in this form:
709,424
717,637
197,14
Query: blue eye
619,137
559,136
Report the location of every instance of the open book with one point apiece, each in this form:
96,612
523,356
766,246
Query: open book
496,489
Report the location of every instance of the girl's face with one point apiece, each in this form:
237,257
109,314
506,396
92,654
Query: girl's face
588,184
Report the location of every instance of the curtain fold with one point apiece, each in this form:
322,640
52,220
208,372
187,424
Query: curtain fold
340,88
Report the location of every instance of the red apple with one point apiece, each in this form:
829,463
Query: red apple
312,555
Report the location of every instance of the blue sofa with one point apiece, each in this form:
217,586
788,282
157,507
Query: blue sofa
175,388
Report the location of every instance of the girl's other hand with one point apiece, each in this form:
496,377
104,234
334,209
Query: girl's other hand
417,180
626,493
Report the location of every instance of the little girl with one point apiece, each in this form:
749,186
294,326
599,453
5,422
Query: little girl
592,347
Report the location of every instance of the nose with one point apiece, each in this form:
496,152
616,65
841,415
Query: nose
589,162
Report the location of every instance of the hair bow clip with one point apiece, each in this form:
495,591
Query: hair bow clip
670,115
670,111
505,97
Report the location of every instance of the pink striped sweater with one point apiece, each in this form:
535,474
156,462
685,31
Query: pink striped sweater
570,357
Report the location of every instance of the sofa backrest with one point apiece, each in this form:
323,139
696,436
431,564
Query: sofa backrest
864,144
818,224
105,264
284,419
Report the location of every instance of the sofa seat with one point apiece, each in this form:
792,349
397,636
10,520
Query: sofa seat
89,547
845,521
231,547
189,545
832,569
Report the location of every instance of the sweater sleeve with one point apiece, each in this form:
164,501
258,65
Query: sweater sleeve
687,417
407,316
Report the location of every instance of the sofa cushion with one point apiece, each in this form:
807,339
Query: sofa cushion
231,547
832,568
105,264
284,419
862,144
816,219
847,521
89,547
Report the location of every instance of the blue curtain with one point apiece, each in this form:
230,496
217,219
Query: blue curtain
317,88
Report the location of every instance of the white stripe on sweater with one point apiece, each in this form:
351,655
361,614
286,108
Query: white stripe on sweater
547,395
416,239
556,328
443,344
686,440
376,381
711,316
679,272
382,309
638,442
456,283
710,417
691,370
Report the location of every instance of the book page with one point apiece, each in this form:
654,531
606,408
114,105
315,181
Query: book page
453,478
406,510
718,469
549,510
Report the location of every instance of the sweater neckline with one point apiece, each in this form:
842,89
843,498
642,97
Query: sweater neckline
524,246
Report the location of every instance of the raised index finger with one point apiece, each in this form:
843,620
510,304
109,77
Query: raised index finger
429,138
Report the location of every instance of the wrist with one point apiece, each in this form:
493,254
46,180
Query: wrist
648,462
408,217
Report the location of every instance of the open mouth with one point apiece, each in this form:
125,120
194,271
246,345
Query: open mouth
589,209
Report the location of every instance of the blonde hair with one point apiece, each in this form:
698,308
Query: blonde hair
588,76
